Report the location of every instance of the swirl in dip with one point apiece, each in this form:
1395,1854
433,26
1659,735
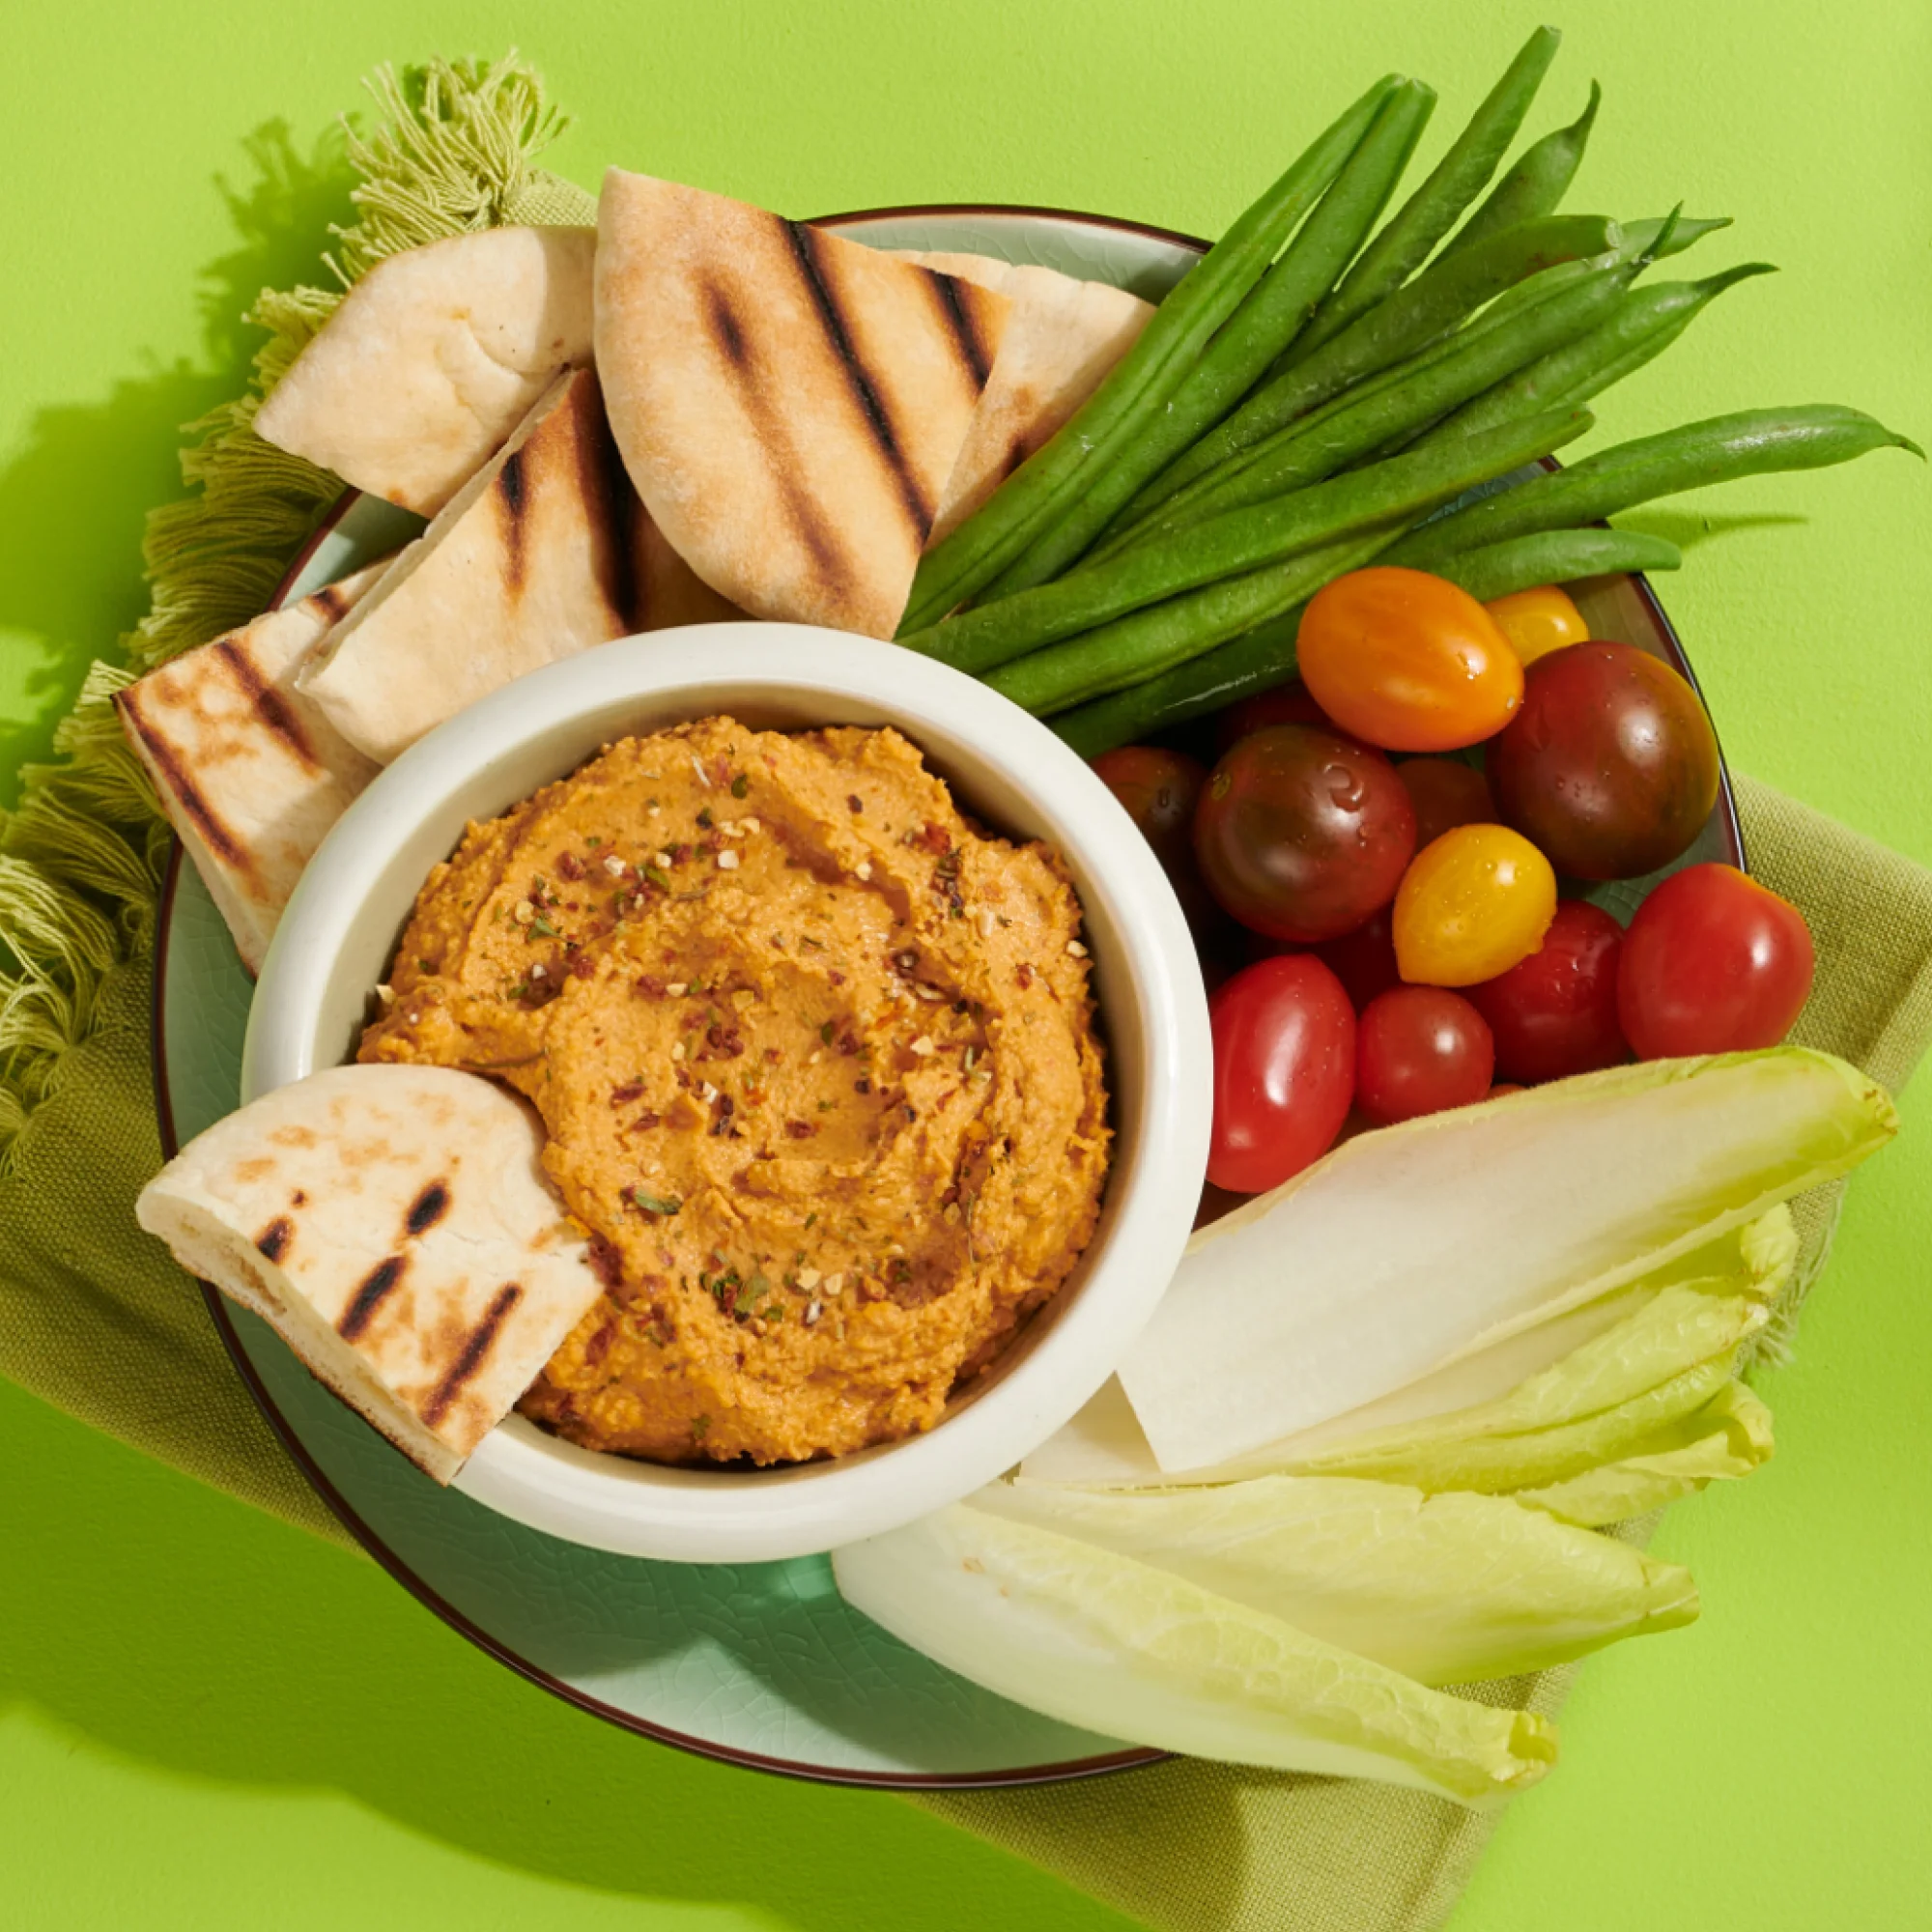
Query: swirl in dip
817,1064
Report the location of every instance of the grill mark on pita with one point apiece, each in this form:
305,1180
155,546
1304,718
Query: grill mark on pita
811,529
427,1209
369,1296
268,703
330,602
512,492
474,1349
221,841
273,1239
606,489
806,243
962,324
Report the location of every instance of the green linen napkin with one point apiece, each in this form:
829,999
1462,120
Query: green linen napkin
95,1319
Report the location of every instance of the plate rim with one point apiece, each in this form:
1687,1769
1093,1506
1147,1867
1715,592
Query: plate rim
1011,1778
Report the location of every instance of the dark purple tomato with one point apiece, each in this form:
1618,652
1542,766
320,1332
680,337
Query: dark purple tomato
1446,793
1610,766
1285,704
1419,1049
1302,835
1556,1013
1160,790
1284,1070
1364,960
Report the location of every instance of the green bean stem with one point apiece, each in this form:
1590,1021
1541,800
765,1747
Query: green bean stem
1644,324
1412,318
1554,556
1137,387
1535,184
1254,335
990,634
1306,451
1437,205
1750,444
1150,640
1265,657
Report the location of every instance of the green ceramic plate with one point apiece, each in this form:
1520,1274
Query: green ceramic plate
763,1664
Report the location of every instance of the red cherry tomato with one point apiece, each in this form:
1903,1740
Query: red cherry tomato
1160,790
1556,1013
1420,1049
1364,960
1446,793
1610,766
1302,833
1285,704
1713,962
1407,660
1284,1070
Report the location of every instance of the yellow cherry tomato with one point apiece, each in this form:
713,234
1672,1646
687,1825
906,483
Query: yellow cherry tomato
1472,903
1537,622
1406,661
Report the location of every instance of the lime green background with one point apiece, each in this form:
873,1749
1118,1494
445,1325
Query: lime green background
208,1720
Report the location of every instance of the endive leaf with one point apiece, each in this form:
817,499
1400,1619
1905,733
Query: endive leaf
1100,1640
1446,1589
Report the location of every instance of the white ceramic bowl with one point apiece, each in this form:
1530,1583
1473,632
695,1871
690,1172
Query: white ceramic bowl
335,941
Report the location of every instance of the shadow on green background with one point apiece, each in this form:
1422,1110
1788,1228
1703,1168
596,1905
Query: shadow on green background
73,500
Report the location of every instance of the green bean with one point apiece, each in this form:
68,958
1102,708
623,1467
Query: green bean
1437,205
1253,336
1263,658
1137,387
1535,185
1137,647
1645,324
1746,444
1430,306
990,634
1306,451
1642,238
1554,556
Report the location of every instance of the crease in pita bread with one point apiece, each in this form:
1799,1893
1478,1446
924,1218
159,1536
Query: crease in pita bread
530,561
250,774
789,404
434,358
1062,337
394,1226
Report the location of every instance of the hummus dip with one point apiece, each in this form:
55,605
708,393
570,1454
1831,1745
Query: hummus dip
817,1064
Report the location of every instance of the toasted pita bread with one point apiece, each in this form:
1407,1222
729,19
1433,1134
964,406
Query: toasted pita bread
527,564
393,1225
1060,339
250,773
665,590
789,405
434,358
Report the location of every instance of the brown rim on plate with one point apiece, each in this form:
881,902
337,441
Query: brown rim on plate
344,1512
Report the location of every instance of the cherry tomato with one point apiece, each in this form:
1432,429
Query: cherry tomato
1537,622
1445,793
1285,704
1160,790
1420,1049
1302,835
1713,962
1284,1070
1407,660
1363,960
1503,1088
1556,1013
1610,765
1475,902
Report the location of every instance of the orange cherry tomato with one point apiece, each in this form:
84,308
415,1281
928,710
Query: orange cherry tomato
1406,661
1472,905
1537,622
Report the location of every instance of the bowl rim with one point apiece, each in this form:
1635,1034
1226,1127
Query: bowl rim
345,1511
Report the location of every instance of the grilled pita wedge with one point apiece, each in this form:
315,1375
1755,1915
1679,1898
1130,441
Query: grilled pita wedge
789,405
394,1227
1062,337
527,563
249,772
434,358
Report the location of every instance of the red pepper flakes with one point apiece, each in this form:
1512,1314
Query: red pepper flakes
599,1344
648,986
623,1096
569,865
583,967
854,803
801,1131
936,837
1023,973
